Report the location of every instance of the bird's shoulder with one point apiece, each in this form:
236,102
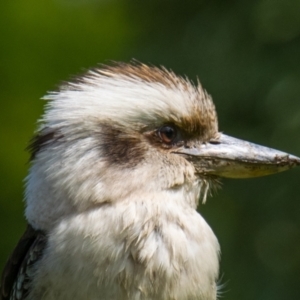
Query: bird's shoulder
17,273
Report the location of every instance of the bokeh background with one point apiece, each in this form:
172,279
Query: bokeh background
246,54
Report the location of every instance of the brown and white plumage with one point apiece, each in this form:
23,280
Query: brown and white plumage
119,163
17,275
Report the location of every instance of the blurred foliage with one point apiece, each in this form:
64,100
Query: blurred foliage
246,54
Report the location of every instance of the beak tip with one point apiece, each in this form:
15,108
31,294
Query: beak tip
294,160
287,161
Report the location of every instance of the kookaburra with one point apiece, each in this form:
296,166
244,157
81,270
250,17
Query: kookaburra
120,161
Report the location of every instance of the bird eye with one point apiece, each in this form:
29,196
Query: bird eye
167,134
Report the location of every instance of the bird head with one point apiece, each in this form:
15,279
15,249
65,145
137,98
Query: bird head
133,131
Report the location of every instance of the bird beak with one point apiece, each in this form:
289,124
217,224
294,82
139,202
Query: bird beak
233,158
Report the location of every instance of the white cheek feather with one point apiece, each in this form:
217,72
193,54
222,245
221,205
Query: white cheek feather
75,178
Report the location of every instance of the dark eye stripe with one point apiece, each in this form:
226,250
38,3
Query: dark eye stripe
43,138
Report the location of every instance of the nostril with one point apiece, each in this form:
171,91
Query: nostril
214,142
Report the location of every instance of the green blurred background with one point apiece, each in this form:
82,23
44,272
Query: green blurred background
246,54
